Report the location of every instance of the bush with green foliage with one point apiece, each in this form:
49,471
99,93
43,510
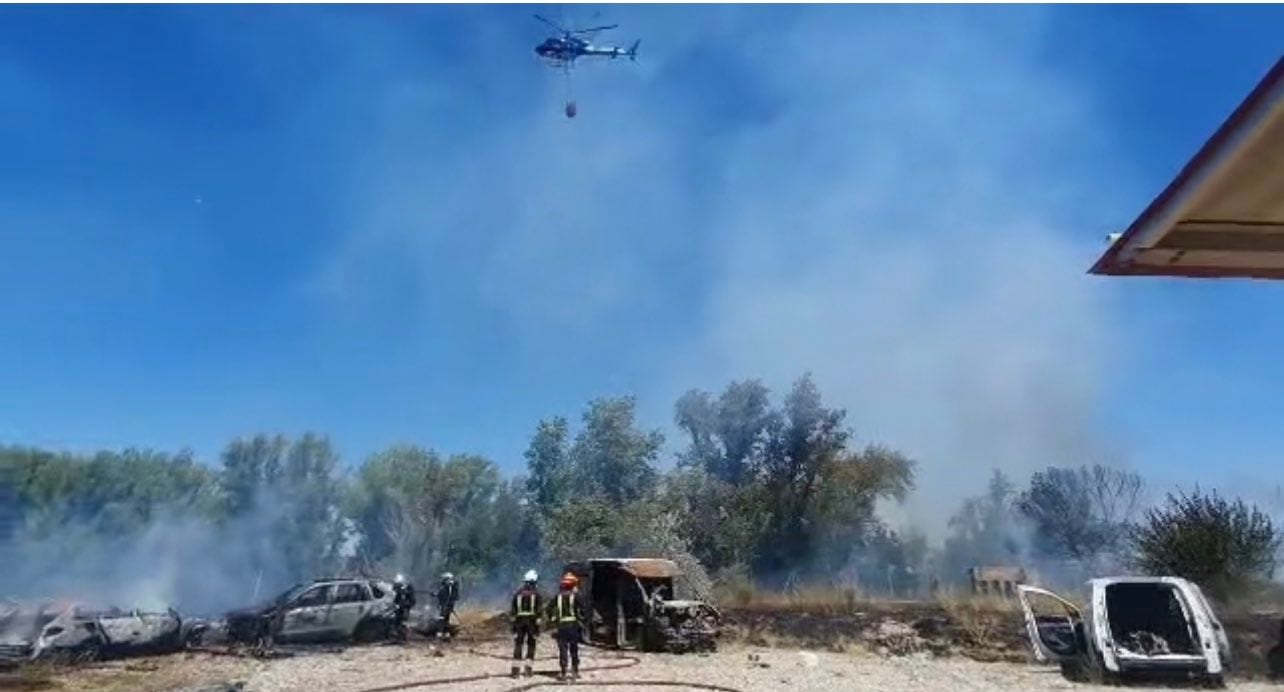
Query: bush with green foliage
1221,545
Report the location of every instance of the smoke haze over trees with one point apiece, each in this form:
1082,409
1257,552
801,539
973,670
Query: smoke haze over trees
764,488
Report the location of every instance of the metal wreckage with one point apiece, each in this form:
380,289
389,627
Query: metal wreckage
631,601
62,631
1133,628
324,610
632,606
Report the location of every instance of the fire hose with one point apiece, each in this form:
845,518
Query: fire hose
628,683
626,662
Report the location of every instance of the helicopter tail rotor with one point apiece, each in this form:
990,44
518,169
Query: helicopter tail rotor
633,50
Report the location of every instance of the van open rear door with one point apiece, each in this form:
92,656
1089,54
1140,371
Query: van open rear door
1051,623
1212,636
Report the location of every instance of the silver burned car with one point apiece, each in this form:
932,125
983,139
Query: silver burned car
331,609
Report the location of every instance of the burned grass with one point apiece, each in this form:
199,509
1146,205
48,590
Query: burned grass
978,629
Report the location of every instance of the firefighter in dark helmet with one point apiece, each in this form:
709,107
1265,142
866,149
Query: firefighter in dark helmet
404,599
566,614
526,607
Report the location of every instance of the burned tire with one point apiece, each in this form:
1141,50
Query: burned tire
370,631
90,654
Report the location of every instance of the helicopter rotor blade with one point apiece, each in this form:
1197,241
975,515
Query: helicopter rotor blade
551,23
594,29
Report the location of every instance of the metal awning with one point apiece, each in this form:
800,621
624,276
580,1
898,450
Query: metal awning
1223,216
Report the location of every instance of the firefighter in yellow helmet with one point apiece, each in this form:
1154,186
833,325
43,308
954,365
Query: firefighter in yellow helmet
526,607
566,615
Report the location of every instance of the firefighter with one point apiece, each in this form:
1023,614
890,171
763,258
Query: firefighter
447,595
403,599
526,608
565,614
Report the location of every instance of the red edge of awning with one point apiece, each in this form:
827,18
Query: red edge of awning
1106,265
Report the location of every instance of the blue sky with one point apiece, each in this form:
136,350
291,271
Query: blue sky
374,222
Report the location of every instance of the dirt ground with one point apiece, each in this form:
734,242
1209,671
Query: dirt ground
881,647
483,668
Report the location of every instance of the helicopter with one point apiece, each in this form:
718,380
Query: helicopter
563,50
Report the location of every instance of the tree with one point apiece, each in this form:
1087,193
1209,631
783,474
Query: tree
727,433
419,514
778,490
802,441
611,458
722,506
1221,545
282,506
250,466
721,523
843,515
983,531
1081,514
548,464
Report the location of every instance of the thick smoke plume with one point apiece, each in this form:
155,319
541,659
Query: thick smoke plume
888,207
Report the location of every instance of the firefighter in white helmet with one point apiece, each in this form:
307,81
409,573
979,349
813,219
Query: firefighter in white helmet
447,597
526,608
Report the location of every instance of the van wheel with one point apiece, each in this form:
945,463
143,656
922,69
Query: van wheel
1096,673
1215,682
1073,670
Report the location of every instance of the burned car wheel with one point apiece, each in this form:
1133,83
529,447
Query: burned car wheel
89,654
371,631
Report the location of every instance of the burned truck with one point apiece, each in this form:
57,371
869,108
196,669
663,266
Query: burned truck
1134,628
631,603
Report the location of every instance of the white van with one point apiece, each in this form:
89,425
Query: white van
1148,627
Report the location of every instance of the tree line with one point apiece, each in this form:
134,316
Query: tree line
770,493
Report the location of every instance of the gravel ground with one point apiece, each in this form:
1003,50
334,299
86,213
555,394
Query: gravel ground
746,669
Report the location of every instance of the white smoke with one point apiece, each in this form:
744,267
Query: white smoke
883,197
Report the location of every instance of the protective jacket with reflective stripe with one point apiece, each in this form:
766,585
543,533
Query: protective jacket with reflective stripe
564,609
526,604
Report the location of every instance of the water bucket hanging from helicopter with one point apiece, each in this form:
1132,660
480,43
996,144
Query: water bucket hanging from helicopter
571,44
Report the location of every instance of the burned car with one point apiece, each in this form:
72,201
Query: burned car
1133,627
332,609
73,633
20,626
631,604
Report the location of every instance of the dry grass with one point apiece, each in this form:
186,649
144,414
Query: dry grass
471,616
830,601
978,603
977,623
152,674
848,601
29,676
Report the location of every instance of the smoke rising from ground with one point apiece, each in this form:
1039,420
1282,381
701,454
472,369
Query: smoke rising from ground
178,559
878,196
